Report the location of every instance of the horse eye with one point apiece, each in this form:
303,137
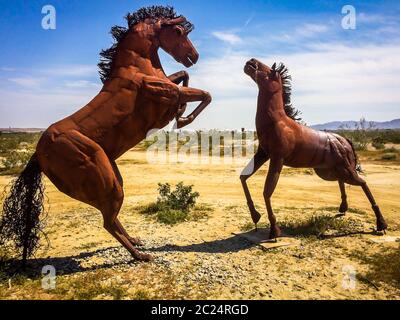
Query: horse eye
179,31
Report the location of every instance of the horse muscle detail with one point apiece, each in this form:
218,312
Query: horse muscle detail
284,141
78,153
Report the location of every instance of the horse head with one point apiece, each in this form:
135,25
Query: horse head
272,80
173,38
149,28
265,77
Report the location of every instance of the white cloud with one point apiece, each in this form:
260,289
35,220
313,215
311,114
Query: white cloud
45,95
28,82
40,108
331,81
310,30
227,36
81,84
371,18
7,69
70,70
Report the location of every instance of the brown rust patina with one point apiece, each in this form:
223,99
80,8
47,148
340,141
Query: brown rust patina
78,153
284,141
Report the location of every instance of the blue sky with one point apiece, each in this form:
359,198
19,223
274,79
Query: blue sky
337,74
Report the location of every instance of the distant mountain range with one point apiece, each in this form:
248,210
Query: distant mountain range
335,125
9,130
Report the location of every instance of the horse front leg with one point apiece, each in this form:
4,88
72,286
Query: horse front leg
275,168
177,78
255,163
186,95
180,76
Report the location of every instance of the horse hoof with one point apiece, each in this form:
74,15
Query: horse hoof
255,216
381,225
343,208
145,257
275,233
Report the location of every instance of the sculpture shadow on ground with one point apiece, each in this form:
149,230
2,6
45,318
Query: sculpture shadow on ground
73,264
234,243
63,265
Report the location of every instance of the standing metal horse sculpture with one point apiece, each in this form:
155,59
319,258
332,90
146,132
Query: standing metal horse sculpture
78,153
284,141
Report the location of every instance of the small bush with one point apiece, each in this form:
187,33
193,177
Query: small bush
318,225
391,150
389,156
182,198
174,206
360,135
151,208
171,216
15,161
378,145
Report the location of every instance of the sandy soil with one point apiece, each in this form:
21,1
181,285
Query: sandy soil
204,259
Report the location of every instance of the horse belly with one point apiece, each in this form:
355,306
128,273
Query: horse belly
147,116
309,152
125,136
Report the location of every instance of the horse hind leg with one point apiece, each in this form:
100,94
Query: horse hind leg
110,210
110,206
274,171
80,168
331,175
343,205
355,179
134,241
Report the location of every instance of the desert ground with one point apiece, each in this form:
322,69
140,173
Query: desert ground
204,257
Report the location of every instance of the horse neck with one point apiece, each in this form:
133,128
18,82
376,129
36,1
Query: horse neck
270,107
139,50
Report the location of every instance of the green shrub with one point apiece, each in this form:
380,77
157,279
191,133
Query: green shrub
389,156
182,198
391,150
15,161
7,145
318,225
174,206
378,145
360,136
171,216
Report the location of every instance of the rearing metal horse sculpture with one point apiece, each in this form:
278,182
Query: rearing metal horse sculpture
78,153
284,141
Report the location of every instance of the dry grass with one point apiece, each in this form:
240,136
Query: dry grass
203,258
383,266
